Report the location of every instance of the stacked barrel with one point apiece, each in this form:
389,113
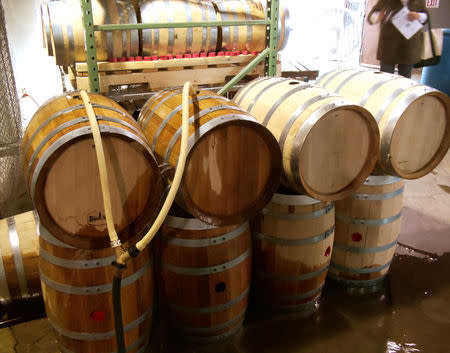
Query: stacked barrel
62,176
329,147
414,123
64,36
19,258
204,251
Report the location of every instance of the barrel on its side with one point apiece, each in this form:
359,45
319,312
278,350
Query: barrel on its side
61,171
19,258
329,145
292,244
77,289
163,41
414,119
205,277
46,35
67,30
233,164
367,228
251,38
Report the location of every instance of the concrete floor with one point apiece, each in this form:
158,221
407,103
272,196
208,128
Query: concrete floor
410,314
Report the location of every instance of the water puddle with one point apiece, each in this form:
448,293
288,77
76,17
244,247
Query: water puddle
393,347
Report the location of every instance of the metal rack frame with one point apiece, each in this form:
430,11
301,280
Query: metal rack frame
269,54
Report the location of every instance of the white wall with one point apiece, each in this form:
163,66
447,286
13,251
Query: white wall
34,70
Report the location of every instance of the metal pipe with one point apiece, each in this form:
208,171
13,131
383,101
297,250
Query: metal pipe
129,26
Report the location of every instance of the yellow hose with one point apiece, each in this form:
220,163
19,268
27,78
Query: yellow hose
140,245
104,181
122,256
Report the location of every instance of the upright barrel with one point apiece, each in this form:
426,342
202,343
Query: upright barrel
414,119
205,277
329,145
163,41
292,245
233,163
251,38
61,171
19,258
367,228
77,289
67,30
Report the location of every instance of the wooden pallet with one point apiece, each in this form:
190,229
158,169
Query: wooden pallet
160,74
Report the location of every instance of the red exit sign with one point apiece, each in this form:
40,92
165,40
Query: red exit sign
433,3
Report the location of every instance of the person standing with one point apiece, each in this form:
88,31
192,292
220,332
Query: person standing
393,48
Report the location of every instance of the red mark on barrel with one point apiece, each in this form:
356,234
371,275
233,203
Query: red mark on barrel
328,251
98,315
356,237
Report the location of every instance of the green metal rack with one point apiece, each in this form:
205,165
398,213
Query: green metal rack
269,54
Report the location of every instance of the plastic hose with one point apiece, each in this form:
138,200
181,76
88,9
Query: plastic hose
104,180
117,308
140,245
121,255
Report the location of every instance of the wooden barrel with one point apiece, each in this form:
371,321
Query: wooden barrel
68,37
367,228
19,258
165,41
252,38
233,164
77,289
292,244
329,145
61,171
205,277
414,119
284,24
46,35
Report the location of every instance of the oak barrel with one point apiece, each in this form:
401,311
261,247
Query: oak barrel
67,31
367,228
163,41
61,171
46,35
205,277
292,243
414,119
19,258
233,164
251,38
77,289
329,145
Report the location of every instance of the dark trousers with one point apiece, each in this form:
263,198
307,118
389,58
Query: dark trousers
403,69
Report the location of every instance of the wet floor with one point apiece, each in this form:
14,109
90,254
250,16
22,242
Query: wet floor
411,313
